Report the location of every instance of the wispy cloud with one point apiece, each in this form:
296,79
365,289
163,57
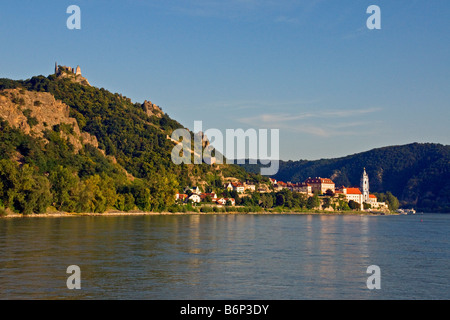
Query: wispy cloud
319,123
256,104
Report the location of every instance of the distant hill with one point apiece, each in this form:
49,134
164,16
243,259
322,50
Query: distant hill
418,174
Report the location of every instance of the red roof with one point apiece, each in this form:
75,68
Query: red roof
372,196
204,195
353,191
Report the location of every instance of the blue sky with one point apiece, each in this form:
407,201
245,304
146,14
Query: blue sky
309,68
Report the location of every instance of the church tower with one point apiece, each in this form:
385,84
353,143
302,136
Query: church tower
365,186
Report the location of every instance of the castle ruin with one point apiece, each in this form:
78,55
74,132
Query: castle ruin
76,71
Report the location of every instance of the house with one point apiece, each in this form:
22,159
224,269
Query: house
373,201
195,198
300,187
250,187
181,197
238,187
353,194
273,181
320,185
223,201
204,195
280,185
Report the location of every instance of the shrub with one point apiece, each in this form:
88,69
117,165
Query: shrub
206,209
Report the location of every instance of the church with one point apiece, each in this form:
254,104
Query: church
362,195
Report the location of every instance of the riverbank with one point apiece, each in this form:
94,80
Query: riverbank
141,213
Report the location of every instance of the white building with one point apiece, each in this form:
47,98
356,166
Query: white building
195,198
361,195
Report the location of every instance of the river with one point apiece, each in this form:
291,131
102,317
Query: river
274,257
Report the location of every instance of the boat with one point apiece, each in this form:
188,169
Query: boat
406,211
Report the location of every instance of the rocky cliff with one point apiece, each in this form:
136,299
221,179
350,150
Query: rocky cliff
34,112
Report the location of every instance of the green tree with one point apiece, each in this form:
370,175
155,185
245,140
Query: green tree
354,205
313,202
63,183
266,201
392,201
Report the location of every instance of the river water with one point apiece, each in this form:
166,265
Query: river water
267,257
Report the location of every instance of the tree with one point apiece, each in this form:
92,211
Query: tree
326,203
367,206
279,200
266,201
63,183
392,201
354,205
313,202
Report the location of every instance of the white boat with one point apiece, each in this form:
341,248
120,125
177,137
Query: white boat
406,211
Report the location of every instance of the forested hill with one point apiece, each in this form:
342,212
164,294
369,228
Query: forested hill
79,148
418,174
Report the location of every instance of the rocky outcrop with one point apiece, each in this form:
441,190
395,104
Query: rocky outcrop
34,112
152,109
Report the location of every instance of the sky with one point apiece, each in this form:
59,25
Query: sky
310,68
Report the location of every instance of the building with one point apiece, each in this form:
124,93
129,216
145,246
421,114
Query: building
236,186
212,195
364,185
320,185
195,198
76,71
301,187
223,201
181,197
362,195
250,187
353,194
280,185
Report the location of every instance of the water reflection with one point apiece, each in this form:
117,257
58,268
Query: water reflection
222,257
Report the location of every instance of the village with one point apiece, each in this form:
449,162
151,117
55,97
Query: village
328,196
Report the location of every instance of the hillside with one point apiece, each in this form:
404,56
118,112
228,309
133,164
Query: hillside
72,146
418,174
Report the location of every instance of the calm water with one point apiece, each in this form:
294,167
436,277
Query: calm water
226,257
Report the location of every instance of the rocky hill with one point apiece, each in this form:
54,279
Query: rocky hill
70,146
34,112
